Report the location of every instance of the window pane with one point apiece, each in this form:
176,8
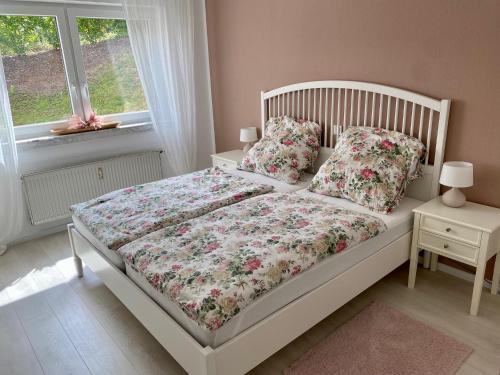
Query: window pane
112,77
34,69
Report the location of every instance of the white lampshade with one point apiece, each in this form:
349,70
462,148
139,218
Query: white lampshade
458,174
248,134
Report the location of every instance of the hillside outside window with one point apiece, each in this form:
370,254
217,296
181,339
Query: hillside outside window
67,59
34,69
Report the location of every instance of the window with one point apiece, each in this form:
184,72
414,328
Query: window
65,59
112,78
34,69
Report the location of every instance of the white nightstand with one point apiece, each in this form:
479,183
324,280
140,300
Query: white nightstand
228,160
469,234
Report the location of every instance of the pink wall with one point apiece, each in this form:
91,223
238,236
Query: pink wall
440,48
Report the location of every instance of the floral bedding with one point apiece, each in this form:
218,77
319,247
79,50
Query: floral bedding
370,166
215,265
124,215
287,149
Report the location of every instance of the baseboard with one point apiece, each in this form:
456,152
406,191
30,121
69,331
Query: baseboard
457,273
39,234
461,274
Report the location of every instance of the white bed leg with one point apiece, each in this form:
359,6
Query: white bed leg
76,258
210,368
78,265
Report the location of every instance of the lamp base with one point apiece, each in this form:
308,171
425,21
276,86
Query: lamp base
247,147
453,198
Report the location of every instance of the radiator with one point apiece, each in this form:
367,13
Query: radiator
49,194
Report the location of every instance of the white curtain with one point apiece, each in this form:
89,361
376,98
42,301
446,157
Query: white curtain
11,204
162,38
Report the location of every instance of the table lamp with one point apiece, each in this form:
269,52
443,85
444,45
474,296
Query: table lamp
248,135
456,174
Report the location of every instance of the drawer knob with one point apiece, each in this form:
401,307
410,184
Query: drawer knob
446,246
448,229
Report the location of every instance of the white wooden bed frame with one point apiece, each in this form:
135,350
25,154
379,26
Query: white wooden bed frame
336,105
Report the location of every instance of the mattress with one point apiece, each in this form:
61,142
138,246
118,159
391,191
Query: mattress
398,223
112,255
279,186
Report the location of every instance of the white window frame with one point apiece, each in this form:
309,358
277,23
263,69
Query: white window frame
72,56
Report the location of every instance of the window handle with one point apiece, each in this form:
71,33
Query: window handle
73,90
84,90
74,93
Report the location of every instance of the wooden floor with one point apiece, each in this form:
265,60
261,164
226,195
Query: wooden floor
54,323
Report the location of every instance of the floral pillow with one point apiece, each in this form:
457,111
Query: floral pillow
370,166
287,149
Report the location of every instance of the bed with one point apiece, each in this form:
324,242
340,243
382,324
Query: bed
266,303
335,105
114,219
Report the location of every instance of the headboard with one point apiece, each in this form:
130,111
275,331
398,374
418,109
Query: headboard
336,105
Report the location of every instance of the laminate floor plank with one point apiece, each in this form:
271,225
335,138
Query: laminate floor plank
54,349
96,347
16,354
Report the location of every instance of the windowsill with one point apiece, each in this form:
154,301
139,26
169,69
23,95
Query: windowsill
56,140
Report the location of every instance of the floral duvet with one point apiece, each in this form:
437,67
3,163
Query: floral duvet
215,265
124,215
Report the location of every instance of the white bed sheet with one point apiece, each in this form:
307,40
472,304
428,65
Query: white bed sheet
279,186
397,216
399,223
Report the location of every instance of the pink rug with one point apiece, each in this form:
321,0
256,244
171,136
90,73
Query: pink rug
382,340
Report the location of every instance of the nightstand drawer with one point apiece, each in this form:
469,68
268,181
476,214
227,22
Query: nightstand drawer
224,163
450,230
448,248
